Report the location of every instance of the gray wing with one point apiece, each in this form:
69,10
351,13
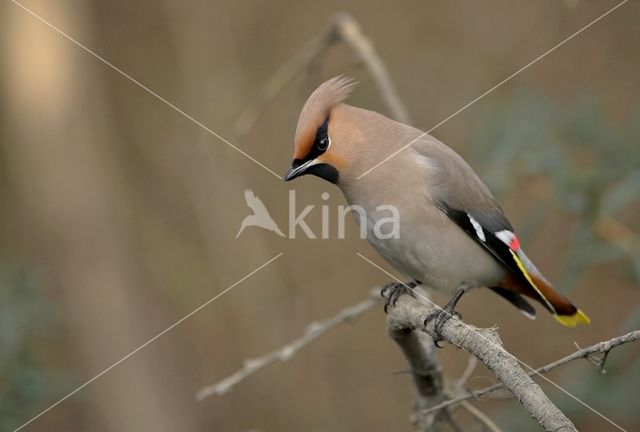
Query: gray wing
458,191
455,183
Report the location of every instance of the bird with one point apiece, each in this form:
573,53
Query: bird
260,216
453,235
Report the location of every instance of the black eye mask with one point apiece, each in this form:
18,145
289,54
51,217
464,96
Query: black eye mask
321,142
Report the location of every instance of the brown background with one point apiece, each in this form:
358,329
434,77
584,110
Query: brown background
118,215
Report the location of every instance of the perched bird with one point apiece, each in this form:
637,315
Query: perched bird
453,234
260,216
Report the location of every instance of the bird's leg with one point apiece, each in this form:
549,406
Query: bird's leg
442,315
392,291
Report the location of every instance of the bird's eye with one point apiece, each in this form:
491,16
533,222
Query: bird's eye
323,143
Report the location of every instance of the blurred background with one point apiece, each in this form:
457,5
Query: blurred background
118,215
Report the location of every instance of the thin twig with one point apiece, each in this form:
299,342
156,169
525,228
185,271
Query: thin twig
490,424
471,366
311,332
459,386
590,353
280,79
351,34
343,28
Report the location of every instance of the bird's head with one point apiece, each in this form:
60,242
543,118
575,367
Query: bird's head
321,136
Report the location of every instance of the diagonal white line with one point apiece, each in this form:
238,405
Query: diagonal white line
144,87
495,345
531,63
172,326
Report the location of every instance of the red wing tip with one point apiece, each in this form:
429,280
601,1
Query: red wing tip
515,243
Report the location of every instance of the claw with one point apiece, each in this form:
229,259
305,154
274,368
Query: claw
392,291
442,315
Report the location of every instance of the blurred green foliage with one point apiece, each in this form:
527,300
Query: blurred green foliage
592,164
27,321
593,168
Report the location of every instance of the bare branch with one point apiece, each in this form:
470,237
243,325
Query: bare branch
350,33
459,387
408,316
281,78
311,333
342,28
471,366
596,354
482,417
419,351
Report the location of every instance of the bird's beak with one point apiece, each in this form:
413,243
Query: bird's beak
297,169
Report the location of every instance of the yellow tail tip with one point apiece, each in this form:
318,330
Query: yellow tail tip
573,320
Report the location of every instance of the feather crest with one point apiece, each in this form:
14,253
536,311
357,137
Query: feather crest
330,94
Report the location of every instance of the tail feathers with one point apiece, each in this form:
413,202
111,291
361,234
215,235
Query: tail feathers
538,288
562,309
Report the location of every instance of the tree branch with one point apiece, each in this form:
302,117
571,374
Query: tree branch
408,316
430,409
311,333
596,354
419,351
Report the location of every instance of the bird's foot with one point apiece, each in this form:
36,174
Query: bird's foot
392,291
441,315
